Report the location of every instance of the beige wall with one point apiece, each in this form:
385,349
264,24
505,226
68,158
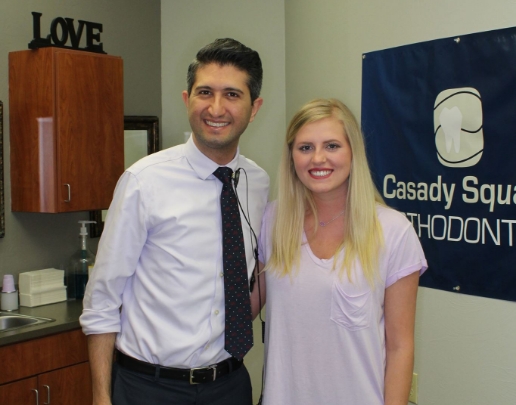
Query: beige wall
466,346
131,29
466,351
186,27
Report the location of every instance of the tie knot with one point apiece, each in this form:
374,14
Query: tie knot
224,174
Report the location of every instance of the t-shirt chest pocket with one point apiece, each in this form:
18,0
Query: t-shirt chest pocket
351,305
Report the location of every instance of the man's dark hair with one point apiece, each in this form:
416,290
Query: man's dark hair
227,51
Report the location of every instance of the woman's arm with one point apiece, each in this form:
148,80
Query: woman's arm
258,294
400,313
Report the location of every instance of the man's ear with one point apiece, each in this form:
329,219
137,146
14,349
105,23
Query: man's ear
255,107
185,97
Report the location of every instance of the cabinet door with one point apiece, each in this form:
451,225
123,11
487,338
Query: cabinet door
89,129
31,112
41,355
66,129
22,392
69,385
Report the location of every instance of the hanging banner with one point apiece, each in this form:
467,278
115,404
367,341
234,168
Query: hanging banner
439,119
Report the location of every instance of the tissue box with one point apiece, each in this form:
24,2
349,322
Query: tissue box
43,298
40,281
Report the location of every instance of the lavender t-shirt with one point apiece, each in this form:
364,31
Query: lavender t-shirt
325,336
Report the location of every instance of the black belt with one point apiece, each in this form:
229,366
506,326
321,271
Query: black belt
196,375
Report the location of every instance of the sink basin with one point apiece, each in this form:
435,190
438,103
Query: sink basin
10,321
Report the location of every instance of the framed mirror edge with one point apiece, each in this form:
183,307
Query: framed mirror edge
2,206
148,123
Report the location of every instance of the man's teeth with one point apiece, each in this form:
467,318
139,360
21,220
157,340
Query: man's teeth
320,173
216,124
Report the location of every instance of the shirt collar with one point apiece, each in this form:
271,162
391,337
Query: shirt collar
201,164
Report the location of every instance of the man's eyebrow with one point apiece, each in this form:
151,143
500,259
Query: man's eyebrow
233,89
202,88
225,89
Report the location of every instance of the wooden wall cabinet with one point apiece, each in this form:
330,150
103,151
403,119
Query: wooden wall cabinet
66,124
52,370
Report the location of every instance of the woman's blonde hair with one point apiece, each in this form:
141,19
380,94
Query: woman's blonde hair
363,234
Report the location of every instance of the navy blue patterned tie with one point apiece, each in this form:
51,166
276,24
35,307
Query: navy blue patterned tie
239,327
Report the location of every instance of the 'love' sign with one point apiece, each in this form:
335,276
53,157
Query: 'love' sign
64,29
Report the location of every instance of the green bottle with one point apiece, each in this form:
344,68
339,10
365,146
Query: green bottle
80,265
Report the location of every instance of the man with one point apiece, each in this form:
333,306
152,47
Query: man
157,292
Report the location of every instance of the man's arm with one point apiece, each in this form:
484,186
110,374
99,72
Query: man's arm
258,294
100,349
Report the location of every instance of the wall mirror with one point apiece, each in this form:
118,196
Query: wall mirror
141,138
2,211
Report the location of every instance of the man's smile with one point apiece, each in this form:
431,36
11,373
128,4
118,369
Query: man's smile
216,124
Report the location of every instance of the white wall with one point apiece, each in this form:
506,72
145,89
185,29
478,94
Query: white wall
131,29
189,25
465,345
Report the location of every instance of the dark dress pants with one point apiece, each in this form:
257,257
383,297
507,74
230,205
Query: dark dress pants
132,388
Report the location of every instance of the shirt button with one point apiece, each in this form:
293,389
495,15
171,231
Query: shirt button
216,312
207,347
221,274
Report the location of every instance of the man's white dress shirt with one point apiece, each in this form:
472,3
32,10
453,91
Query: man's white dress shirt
160,258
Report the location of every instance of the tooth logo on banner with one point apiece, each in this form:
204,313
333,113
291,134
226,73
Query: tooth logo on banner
459,137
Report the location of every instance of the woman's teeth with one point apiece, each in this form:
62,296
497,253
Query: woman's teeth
320,173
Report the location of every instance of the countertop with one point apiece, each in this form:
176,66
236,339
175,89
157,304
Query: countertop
66,315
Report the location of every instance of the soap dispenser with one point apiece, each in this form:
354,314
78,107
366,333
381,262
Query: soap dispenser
80,265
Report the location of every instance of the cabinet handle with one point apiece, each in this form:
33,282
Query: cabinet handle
48,395
69,192
37,396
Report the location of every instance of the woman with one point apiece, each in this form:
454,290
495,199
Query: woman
341,273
